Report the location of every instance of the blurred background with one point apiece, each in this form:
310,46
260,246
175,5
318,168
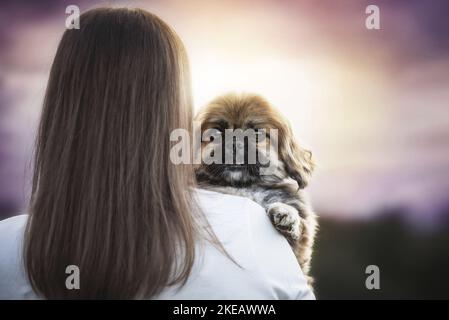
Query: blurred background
372,105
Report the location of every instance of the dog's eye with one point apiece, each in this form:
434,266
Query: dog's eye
260,132
219,129
221,125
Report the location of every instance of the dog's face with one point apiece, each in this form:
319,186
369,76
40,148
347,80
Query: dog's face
236,131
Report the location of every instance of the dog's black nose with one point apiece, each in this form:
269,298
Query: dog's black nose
240,151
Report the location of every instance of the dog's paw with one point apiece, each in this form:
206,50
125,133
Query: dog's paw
286,219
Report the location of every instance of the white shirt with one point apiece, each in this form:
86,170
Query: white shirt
268,268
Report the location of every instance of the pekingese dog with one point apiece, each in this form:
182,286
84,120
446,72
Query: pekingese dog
233,127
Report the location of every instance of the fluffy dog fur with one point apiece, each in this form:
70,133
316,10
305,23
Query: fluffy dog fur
281,192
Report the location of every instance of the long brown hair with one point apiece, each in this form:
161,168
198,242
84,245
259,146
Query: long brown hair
105,195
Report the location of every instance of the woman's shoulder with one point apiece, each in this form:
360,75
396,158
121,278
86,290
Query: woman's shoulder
14,221
11,231
13,282
212,201
230,215
267,267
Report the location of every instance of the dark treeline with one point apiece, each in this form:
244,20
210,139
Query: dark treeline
413,262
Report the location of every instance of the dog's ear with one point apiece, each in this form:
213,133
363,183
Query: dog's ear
298,162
